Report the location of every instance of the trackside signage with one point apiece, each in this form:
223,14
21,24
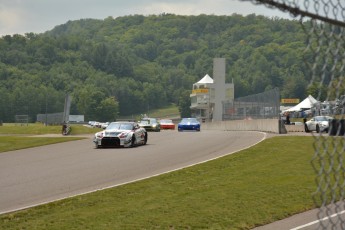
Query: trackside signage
196,91
289,101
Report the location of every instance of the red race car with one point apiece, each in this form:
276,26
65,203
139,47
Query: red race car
167,124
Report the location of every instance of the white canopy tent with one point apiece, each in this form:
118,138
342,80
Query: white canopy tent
206,80
305,104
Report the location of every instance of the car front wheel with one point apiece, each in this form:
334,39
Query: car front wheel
133,141
317,129
145,139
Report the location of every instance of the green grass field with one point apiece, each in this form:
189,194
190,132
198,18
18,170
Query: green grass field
268,182
39,129
170,111
14,137
10,143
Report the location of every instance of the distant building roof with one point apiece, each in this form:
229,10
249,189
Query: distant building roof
206,79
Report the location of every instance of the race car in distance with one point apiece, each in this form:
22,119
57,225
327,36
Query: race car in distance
121,134
150,124
189,124
167,124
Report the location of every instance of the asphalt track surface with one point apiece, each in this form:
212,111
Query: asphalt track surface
43,174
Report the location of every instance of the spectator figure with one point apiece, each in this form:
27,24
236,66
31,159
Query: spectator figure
287,118
304,115
64,129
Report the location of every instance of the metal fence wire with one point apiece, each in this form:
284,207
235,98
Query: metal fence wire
258,106
51,118
324,24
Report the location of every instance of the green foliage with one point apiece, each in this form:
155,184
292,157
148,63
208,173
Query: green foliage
320,90
184,104
107,110
145,62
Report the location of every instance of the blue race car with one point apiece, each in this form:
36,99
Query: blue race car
189,124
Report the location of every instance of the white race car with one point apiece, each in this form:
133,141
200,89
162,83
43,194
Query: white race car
318,124
121,134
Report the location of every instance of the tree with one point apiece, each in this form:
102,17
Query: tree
150,61
108,109
318,91
184,104
88,100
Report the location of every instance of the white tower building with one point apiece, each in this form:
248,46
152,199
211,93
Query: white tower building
208,94
219,86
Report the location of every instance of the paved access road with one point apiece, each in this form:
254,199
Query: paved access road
38,175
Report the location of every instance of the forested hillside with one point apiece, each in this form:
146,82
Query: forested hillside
130,64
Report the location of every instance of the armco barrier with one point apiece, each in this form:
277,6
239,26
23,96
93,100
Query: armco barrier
264,125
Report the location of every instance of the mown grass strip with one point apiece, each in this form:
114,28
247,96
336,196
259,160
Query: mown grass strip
38,129
10,143
267,182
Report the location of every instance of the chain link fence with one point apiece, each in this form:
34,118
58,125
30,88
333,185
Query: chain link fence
258,106
324,24
21,120
51,118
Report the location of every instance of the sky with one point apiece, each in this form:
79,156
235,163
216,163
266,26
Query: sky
39,16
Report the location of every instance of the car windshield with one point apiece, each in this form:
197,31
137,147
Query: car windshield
121,126
321,119
166,121
148,121
144,122
189,120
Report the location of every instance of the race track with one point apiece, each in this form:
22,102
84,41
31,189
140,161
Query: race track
39,175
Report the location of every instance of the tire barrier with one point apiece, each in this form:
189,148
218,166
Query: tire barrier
337,127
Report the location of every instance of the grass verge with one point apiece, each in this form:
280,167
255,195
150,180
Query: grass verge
10,143
170,111
38,129
265,183
14,137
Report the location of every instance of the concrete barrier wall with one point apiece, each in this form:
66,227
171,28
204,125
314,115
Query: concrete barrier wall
265,125
294,128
